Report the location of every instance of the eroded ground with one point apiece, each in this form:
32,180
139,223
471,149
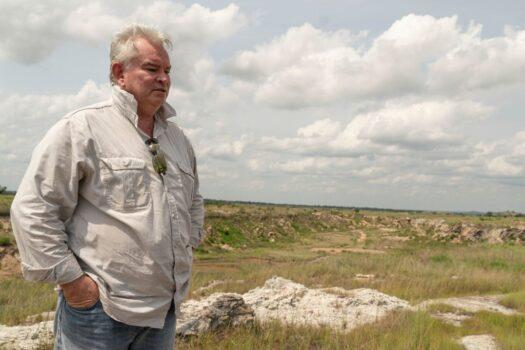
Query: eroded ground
414,257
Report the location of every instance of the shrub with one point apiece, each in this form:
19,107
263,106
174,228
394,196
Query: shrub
5,241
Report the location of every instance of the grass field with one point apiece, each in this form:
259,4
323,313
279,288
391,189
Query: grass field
325,248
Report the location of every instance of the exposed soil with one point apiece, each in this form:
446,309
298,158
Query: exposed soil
472,304
9,262
348,250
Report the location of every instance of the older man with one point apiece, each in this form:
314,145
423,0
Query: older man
109,208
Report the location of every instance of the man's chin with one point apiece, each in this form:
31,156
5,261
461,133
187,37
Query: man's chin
158,99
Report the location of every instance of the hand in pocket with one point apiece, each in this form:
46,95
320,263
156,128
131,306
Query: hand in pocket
81,293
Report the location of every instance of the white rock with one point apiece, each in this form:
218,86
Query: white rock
293,303
472,304
208,314
26,337
479,342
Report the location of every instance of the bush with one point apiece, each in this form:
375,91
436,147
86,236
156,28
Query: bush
5,241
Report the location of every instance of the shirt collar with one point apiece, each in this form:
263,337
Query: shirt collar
127,105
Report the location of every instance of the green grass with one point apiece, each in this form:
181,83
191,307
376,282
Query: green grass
278,241
404,330
5,204
19,299
515,301
508,330
5,241
414,271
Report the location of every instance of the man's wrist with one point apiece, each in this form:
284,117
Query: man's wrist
72,283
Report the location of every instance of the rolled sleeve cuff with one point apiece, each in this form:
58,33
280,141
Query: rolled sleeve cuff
196,237
65,271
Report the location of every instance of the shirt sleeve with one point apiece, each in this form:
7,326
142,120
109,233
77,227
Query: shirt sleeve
45,200
197,209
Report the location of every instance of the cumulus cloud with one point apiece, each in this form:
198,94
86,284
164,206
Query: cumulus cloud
481,64
320,128
500,166
286,50
417,54
500,159
221,149
47,24
30,116
396,128
36,37
395,114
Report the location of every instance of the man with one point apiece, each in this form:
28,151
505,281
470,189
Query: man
109,208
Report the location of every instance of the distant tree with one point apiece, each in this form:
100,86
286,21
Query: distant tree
2,189
489,213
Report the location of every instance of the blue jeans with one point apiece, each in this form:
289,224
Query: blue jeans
92,328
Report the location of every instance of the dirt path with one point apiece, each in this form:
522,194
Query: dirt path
348,250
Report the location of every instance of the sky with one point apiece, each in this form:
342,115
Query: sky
390,104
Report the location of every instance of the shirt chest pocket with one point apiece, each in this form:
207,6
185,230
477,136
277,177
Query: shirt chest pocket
125,183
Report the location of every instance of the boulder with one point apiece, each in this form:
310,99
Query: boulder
292,303
211,313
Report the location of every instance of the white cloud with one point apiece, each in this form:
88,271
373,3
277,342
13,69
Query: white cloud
417,126
320,128
500,166
481,64
398,127
405,179
395,116
286,50
502,158
305,165
36,29
30,116
91,23
226,150
36,36
417,55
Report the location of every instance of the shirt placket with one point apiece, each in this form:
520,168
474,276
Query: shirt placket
179,256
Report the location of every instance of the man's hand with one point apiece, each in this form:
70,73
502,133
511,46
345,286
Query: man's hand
81,293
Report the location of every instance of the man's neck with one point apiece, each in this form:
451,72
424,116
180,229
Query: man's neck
146,121
146,124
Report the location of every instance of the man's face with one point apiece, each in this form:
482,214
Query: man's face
147,75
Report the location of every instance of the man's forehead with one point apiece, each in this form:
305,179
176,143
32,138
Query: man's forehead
153,61
147,51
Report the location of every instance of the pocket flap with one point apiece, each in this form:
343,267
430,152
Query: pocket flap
124,163
185,169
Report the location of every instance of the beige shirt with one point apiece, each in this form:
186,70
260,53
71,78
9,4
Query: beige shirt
91,202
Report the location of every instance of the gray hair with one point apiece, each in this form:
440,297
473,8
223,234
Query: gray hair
123,47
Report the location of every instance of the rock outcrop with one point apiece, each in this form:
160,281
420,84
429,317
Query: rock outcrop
211,313
472,304
459,232
26,337
479,342
292,303
278,300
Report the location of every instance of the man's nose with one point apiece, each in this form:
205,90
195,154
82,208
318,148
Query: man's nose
163,77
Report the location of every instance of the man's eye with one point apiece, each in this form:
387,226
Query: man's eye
151,69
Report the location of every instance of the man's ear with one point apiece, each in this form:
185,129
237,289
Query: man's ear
117,70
